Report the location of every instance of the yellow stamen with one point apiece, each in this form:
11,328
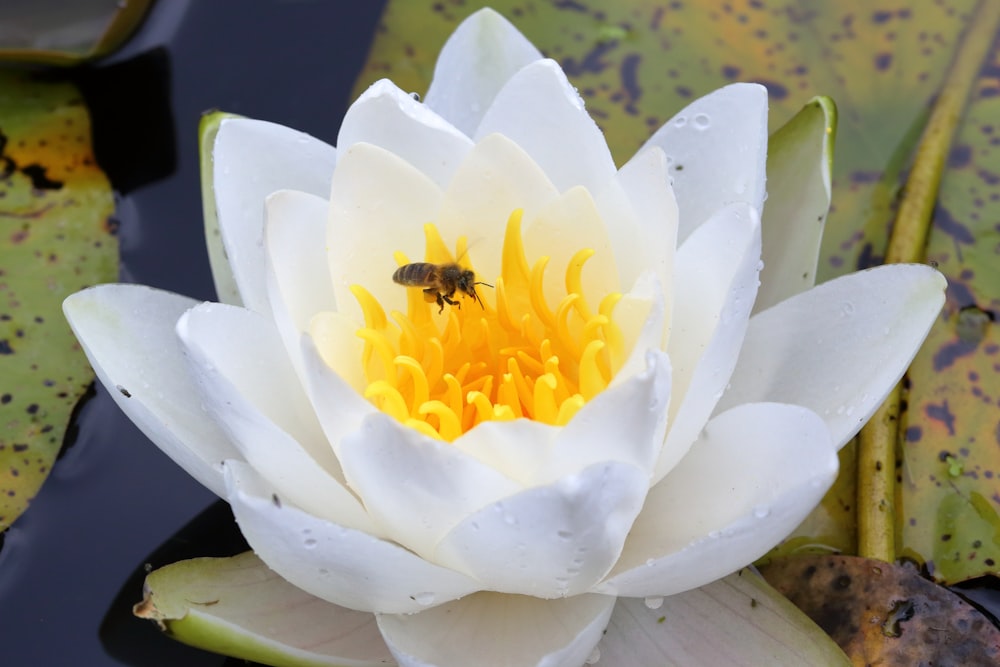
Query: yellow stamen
511,357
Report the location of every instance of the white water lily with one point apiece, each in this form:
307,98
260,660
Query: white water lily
610,422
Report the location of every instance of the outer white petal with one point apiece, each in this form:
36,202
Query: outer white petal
499,631
840,347
716,148
641,213
389,118
416,487
550,541
248,386
755,473
340,565
298,275
476,61
540,110
252,159
127,332
716,279
379,204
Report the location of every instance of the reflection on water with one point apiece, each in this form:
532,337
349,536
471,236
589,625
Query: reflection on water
113,498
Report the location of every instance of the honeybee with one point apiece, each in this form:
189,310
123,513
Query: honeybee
440,281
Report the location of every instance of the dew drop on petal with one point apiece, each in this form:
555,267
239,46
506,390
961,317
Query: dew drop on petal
680,121
564,534
761,511
594,656
847,309
650,562
654,602
424,599
702,121
309,543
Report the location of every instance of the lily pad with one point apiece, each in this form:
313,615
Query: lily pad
56,237
883,614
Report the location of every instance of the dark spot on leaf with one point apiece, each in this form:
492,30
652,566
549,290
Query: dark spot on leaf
843,582
883,61
914,433
960,156
881,16
941,413
5,347
39,181
730,71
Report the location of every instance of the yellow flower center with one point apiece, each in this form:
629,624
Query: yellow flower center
511,356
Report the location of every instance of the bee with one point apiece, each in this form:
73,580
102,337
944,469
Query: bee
440,281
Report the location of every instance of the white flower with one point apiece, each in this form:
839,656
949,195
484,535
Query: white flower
624,429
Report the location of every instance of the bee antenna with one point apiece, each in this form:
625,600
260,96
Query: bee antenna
482,283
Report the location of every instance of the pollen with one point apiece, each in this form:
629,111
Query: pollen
512,356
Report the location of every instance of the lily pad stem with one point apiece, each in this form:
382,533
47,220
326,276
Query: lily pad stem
877,450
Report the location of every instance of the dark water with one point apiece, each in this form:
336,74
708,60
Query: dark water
113,499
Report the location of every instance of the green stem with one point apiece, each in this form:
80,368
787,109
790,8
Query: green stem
877,449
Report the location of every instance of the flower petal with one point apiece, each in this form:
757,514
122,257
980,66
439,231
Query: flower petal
239,607
298,275
248,386
226,289
563,227
391,119
716,148
738,620
540,110
347,567
499,630
496,178
716,274
623,423
551,541
416,487
799,160
127,332
483,52
640,210
252,159
840,347
379,204
755,473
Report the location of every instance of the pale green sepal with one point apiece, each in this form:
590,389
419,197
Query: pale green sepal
225,284
238,607
799,164
738,620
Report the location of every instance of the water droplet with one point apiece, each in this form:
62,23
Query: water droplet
761,511
840,410
740,187
415,96
510,519
650,562
654,602
564,534
847,309
714,535
310,543
680,121
849,411
760,265
424,599
474,525
702,121
594,656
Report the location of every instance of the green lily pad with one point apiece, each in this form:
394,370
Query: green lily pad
238,607
56,237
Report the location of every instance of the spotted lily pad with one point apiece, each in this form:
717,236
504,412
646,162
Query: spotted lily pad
56,237
883,614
